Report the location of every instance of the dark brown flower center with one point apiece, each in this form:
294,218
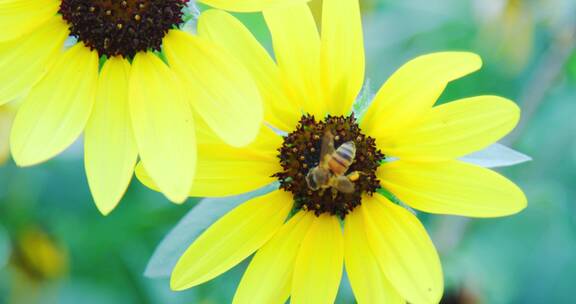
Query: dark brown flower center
322,193
121,27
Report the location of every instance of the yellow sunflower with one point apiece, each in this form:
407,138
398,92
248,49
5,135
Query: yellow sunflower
306,232
114,86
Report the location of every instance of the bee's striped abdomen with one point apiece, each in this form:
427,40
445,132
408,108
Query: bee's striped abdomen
342,158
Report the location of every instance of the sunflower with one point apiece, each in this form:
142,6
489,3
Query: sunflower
402,149
117,86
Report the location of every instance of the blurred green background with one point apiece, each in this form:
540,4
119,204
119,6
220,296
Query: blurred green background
56,248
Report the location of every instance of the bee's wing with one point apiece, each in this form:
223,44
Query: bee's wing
344,185
327,146
311,180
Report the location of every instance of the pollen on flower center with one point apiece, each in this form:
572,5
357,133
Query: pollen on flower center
121,27
300,153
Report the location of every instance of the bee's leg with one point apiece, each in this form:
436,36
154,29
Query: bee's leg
354,176
344,184
334,193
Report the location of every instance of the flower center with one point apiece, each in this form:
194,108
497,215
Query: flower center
121,28
328,165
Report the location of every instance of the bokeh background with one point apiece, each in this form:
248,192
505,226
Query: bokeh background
56,248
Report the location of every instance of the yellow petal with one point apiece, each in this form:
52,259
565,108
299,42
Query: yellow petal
163,126
20,17
230,34
318,268
6,118
231,239
342,54
24,61
223,170
249,5
273,265
412,90
56,110
403,250
220,88
452,187
456,129
297,48
109,147
369,283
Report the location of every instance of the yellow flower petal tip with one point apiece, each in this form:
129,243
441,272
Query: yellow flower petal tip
521,204
109,171
177,199
145,179
163,125
231,239
465,62
403,250
452,187
105,211
106,207
177,285
413,89
23,160
456,129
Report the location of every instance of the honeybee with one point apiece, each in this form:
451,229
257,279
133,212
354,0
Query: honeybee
333,165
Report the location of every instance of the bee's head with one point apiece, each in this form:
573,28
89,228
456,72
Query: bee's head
317,177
